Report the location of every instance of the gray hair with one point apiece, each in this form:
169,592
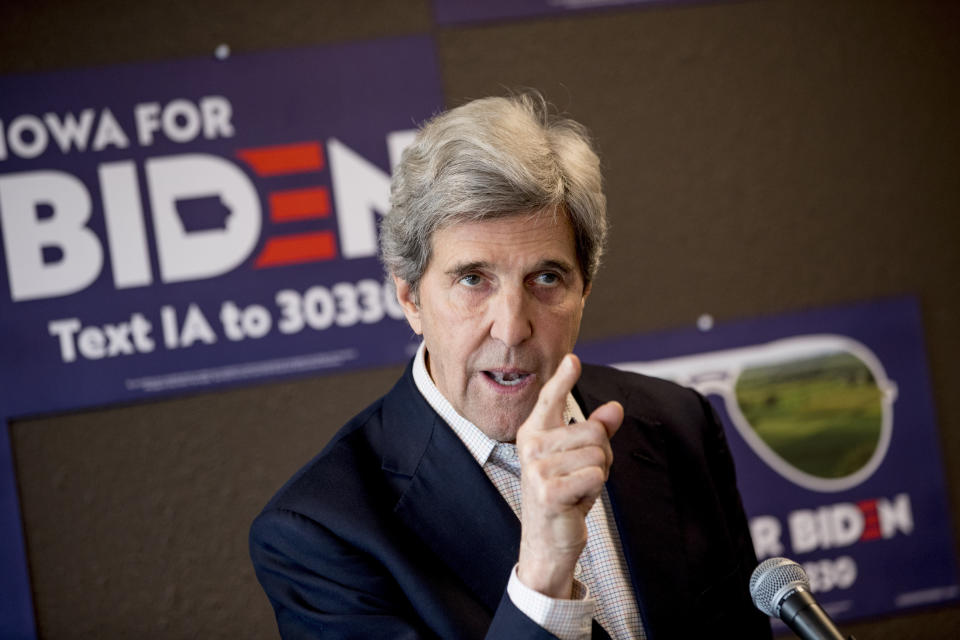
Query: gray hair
489,158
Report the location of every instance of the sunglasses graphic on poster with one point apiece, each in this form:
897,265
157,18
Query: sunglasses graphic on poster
818,409
829,418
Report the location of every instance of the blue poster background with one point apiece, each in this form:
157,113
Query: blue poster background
874,574
311,133
465,11
354,94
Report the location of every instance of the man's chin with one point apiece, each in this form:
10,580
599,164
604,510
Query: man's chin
501,426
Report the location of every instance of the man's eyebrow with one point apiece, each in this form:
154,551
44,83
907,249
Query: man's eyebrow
461,268
558,265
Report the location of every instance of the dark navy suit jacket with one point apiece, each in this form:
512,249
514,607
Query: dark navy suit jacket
394,531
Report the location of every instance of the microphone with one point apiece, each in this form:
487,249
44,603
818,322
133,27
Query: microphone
780,588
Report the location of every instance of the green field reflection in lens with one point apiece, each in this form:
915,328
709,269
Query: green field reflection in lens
823,414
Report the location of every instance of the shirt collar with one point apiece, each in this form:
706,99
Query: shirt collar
477,442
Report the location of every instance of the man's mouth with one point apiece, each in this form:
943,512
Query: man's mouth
507,378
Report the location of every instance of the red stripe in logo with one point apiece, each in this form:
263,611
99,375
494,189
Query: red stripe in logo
871,519
299,204
284,158
296,249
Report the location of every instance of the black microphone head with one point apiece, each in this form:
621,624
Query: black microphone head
773,580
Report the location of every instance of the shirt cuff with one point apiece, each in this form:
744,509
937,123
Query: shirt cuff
566,619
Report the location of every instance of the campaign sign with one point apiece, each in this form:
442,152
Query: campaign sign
182,225
464,11
830,421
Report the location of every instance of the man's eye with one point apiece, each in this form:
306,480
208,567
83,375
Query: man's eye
470,280
548,279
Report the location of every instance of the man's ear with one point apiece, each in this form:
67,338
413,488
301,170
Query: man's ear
586,292
408,301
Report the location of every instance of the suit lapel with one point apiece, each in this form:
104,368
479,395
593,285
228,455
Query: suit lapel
448,502
644,508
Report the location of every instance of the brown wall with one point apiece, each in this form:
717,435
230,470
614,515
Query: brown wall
761,157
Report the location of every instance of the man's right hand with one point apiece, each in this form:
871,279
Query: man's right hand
563,469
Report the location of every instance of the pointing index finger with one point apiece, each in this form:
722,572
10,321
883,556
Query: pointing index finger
548,412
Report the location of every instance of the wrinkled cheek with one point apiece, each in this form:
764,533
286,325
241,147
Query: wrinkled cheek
520,409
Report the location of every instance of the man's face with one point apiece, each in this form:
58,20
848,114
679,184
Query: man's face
499,306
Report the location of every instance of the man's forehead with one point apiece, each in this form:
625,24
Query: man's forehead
536,237
506,224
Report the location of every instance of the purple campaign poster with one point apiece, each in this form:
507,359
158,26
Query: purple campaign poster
830,421
466,11
182,225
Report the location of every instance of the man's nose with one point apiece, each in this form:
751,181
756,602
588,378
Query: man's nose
510,323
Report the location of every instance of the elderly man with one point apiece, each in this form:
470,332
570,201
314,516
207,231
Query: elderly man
501,489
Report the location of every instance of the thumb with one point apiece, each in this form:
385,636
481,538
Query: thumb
610,415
